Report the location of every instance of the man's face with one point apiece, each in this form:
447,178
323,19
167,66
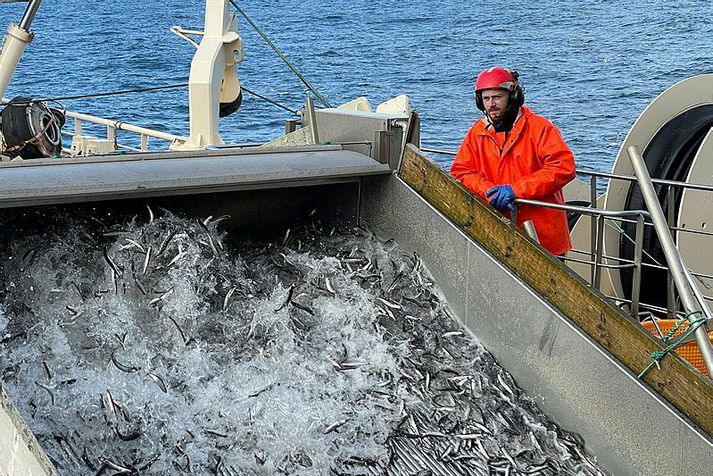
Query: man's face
496,103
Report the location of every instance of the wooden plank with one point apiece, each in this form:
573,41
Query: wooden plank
677,381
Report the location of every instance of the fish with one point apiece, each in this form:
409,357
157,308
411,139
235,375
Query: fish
146,260
47,370
180,331
161,298
112,265
124,368
226,300
329,286
48,390
166,242
158,380
134,244
175,259
288,299
390,304
334,426
302,307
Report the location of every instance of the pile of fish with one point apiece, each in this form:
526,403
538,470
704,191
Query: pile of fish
156,345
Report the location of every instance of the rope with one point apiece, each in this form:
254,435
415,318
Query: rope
260,96
621,231
658,355
142,90
96,95
294,69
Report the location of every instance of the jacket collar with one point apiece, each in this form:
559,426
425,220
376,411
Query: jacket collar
486,128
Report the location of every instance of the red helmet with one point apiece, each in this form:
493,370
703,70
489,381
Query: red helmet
496,77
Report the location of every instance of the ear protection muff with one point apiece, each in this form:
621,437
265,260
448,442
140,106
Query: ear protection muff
517,95
479,100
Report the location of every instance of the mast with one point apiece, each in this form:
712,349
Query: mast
213,75
16,40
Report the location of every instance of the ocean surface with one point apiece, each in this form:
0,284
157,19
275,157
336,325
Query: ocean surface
590,66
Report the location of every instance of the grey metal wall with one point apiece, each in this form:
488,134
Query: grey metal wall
629,428
20,454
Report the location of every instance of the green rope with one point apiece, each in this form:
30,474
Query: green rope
658,355
289,64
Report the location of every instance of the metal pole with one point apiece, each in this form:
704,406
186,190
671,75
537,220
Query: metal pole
29,15
592,228
670,286
531,231
636,279
673,257
599,253
312,117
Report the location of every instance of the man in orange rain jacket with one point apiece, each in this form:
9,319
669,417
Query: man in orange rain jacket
514,153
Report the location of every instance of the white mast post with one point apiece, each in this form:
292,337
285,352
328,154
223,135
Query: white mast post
214,60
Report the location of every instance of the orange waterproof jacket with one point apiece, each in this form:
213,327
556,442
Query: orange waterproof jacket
533,159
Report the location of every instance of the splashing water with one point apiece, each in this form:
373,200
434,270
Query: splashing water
166,347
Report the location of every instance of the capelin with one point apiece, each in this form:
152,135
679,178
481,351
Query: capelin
288,299
146,260
48,390
161,298
133,244
159,381
302,307
335,425
112,265
124,368
226,300
328,284
390,304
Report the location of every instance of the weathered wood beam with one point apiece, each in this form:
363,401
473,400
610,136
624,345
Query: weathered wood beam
677,381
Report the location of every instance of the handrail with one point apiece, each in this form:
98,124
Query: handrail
597,173
584,210
119,125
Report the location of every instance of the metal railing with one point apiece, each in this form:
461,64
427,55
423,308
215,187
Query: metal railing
595,257
112,128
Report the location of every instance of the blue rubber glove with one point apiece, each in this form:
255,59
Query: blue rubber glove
502,197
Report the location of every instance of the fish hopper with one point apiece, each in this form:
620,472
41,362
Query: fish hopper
571,337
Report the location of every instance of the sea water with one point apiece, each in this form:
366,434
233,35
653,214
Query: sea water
591,67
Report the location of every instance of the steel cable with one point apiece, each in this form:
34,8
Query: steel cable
294,69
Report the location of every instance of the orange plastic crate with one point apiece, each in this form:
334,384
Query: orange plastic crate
688,351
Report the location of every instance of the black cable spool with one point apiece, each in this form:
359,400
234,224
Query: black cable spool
30,129
669,156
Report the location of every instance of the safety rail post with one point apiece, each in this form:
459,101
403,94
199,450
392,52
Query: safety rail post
598,253
111,134
592,229
673,257
636,278
531,231
144,142
77,127
670,286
